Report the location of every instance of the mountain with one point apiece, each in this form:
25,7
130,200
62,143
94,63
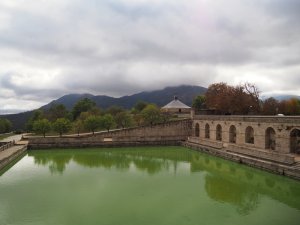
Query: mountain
280,97
185,93
18,120
285,97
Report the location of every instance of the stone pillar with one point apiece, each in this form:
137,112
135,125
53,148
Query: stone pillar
283,141
240,134
259,136
225,132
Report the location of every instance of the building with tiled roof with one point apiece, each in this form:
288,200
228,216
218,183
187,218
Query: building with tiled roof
176,106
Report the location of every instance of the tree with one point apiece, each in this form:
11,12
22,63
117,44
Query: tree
114,110
92,122
138,119
151,114
37,115
218,97
94,111
82,105
139,106
5,125
107,122
226,99
294,106
78,126
57,111
290,107
124,119
199,102
270,106
42,126
253,93
62,125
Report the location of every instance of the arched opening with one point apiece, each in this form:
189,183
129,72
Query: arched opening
232,134
197,130
249,135
270,139
179,110
295,141
219,133
207,131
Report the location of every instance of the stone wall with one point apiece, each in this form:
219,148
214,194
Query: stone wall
275,147
171,133
292,171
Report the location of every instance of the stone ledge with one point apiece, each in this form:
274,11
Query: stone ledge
261,154
8,158
269,166
39,146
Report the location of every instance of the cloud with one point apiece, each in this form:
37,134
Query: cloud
52,48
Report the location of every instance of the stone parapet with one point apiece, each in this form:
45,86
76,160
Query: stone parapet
249,118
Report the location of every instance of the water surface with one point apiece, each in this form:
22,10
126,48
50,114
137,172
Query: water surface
149,185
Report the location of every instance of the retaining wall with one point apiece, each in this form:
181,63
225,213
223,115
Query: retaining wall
13,153
171,133
274,167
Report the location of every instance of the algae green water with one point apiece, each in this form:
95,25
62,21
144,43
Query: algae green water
140,186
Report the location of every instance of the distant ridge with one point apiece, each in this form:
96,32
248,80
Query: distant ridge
280,97
185,93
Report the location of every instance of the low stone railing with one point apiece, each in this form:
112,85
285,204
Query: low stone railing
7,145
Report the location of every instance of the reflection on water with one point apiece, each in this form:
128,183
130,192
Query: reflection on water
237,193
150,160
225,181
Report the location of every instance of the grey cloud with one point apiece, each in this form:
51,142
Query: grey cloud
26,92
122,47
152,39
287,9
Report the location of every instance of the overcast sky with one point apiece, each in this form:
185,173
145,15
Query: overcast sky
49,48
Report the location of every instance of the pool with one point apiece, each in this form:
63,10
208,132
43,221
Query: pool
142,185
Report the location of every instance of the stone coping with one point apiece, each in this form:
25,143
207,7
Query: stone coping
250,118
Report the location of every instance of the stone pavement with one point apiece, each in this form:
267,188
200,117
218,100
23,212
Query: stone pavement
13,152
10,151
15,138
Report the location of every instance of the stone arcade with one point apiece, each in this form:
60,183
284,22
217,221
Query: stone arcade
268,134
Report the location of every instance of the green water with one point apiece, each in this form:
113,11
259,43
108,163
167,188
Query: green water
140,186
